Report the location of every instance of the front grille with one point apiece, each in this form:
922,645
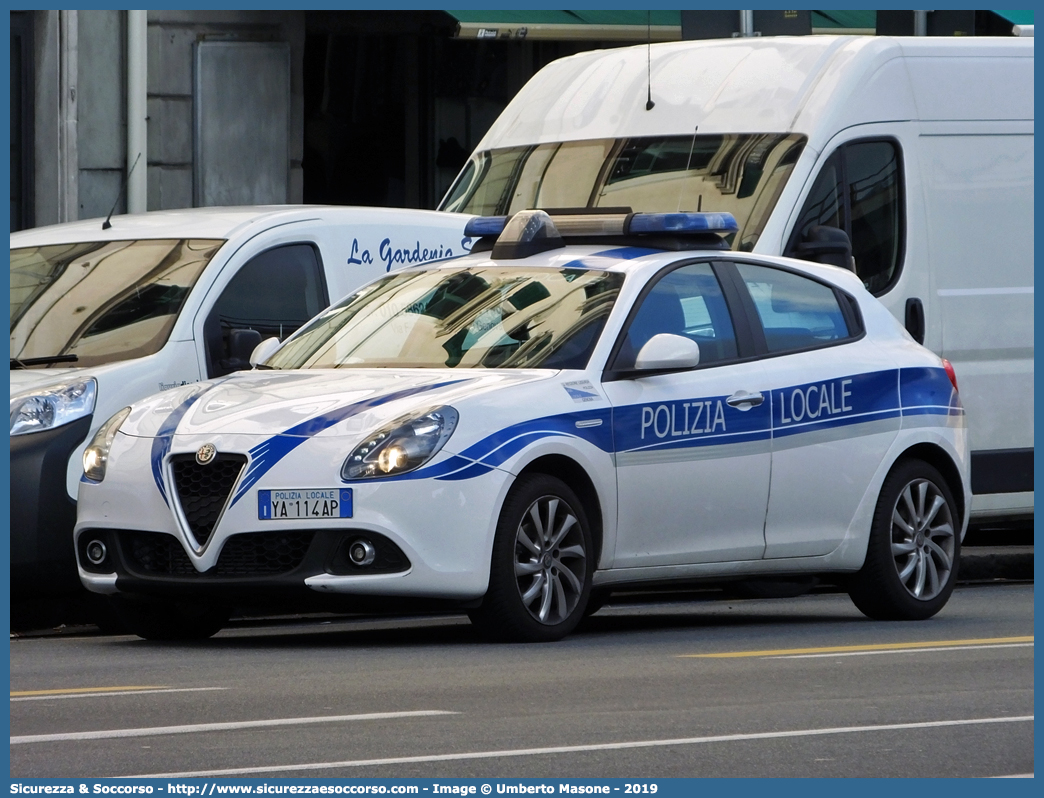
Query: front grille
263,553
155,553
249,554
204,489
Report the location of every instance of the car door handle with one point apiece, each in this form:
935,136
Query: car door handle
742,400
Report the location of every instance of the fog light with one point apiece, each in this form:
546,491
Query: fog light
362,553
96,552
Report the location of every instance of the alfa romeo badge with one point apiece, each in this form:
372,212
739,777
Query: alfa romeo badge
205,453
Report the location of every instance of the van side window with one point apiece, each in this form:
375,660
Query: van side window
858,191
796,313
274,294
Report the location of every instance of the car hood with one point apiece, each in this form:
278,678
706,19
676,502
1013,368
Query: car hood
23,380
306,403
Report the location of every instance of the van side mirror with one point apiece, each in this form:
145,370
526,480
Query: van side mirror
241,343
264,350
667,351
829,245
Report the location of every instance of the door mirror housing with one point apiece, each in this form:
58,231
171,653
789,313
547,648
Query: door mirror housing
829,245
240,344
667,351
263,351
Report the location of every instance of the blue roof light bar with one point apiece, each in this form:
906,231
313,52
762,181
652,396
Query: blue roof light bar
608,224
696,223
485,226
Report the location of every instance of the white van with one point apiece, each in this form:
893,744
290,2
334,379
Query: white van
101,318
914,155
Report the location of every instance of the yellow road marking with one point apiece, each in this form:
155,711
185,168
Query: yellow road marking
873,647
20,693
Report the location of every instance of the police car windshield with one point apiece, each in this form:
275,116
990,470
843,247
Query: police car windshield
478,317
100,301
742,174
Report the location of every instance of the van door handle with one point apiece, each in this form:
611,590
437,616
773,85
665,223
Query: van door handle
915,319
742,400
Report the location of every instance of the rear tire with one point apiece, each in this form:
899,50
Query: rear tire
914,548
542,564
173,620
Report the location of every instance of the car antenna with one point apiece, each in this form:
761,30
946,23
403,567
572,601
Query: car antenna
106,224
649,104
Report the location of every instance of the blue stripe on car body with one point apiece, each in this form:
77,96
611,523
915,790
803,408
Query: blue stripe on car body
709,421
620,253
488,453
161,443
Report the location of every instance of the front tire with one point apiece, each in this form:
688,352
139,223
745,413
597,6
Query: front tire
914,548
171,620
542,564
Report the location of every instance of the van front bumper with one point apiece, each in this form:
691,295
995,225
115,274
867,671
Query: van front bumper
43,515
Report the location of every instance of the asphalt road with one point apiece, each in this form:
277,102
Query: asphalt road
696,688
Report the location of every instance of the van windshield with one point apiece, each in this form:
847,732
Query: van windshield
100,301
742,174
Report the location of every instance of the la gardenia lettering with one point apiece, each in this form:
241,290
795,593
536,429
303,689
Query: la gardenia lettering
400,256
814,401
687,418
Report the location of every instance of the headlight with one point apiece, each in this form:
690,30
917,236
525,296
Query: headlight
53,406
96,455
404,445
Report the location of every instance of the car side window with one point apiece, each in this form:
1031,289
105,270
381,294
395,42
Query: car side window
796,313
686,301
274,293
859,191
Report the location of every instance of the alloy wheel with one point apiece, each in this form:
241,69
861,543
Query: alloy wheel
550,560
923,539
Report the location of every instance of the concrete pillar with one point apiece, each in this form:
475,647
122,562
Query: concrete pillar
746,23
137,112
920,23
68,151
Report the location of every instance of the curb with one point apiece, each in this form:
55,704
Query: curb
987,563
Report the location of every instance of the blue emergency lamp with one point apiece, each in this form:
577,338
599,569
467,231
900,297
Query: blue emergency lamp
597,224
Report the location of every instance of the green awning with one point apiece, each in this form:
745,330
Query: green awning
861,22
618,25
637,26
1016,17
634,26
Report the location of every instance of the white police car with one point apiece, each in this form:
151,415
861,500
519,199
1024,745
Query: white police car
595,402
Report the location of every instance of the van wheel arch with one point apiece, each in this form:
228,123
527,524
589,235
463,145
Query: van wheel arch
576,477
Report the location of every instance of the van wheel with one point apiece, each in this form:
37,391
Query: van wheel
913,552
154,620
540,573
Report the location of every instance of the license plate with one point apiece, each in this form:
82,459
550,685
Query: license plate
304,503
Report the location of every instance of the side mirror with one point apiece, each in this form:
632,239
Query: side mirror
666,351
829,245
240,344
263,351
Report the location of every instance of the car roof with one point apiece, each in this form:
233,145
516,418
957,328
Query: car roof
213,223
633,259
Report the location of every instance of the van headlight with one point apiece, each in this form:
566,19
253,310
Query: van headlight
402,446
96,455
52,406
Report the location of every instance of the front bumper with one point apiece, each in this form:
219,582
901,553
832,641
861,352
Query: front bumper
433,539
42,514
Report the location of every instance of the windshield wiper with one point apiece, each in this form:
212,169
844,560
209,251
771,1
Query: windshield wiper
25,363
